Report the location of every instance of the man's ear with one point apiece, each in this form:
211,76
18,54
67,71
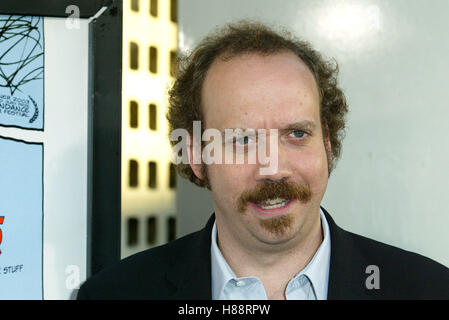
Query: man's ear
191,149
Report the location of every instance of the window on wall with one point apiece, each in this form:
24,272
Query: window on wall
171,226
133,114
153,59
153,8
133,56
133,231
172,176
133,173
172,63
174,11
135,5
152,169
152,116
151,230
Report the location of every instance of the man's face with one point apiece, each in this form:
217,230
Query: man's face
252,91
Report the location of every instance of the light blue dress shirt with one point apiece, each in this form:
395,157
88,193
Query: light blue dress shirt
309,284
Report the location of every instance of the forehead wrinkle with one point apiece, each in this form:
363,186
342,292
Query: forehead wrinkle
245,66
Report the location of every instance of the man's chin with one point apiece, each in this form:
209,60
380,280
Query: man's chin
275,241
278,226
277,230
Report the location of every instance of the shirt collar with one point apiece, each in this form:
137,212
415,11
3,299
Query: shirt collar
317,270
221,271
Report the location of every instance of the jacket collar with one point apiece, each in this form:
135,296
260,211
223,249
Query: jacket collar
347,265
190,272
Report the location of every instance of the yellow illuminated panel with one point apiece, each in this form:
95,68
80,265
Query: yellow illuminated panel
148,192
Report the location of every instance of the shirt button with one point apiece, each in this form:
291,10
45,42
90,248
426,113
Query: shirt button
240,283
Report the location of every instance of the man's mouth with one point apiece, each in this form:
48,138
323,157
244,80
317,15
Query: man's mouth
273,203
274,198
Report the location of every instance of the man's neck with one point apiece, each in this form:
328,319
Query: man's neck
274,268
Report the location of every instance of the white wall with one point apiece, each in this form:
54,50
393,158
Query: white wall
391,182
65,144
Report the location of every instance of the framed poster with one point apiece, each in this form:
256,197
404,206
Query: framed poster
60,63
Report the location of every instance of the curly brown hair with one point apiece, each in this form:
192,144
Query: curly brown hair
252,37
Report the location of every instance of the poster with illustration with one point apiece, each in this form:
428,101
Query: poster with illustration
21,219
22,72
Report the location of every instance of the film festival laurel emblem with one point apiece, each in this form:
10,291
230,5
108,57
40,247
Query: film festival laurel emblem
17,107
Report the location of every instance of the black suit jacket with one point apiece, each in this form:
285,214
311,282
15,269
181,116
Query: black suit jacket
182,270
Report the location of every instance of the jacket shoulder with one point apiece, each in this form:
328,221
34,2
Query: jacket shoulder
403,274
139,276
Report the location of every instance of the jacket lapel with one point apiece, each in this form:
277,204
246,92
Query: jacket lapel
190,272
347,265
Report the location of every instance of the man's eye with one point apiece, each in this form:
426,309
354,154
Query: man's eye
297,134
242,140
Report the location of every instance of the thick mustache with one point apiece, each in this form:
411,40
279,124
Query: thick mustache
275,189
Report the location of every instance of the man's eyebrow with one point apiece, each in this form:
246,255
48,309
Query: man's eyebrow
307,125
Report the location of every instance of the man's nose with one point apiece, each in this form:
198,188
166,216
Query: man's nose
278,166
